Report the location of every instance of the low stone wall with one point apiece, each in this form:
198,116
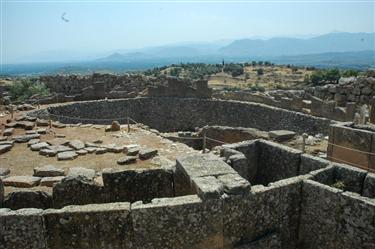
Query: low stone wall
176,114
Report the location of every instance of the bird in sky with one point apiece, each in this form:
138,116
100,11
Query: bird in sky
63,17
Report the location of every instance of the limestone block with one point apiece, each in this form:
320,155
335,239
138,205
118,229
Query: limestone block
180,222
79,171
21,181
310,163
77,191
91,226
28,199
135,185
23,229
369,186
319,216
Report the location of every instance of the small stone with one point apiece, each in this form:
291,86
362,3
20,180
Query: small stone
41,122
50,181
27,125
48,170
8,131
98,141
30,132
5,148
90,150
67,155
281,135
4,171
81,152
47,152
41,131
21,181
77,144
59,135
133,151
59,148
25,138
101,151
79,171
147,154
11,142
33,141
127,160
3,138
58,141
39,146
115,126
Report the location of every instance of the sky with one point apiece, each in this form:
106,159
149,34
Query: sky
30,28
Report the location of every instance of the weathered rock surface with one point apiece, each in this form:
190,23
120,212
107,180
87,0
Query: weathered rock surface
282,135
28,199
48,170
50,181
47,152
39,146
5,147
127,160
8,132
4,171
79,171
25,138
77,190
77,144
147,154
21,181
67,155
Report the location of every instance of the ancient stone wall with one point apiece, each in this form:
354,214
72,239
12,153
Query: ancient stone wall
176,114
217,208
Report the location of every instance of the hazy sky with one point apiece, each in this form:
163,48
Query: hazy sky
31,27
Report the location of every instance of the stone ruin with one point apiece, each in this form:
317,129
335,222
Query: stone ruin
102,86
253,194
334,101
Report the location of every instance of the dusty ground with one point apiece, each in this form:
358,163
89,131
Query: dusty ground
21,160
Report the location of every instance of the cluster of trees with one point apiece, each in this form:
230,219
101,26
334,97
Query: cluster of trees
329,76
25,88
235,69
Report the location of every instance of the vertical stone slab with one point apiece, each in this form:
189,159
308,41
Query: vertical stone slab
136,185
319,216
310,163
276,162
90,226
356,228
1,193
369,186
180,222
290,194
23,228
372,111
248,217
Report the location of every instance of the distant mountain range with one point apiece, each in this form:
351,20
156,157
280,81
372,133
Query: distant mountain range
354,50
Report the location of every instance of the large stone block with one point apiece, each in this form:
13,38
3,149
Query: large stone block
276,162
90,226
77,191
22,229
310,163
136,185
28,199
180,222
319,216
356,227
369,186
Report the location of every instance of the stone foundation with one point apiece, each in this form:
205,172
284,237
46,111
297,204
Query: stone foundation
215,206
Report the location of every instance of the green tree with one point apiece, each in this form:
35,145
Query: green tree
25,88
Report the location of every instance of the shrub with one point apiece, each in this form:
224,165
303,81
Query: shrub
260,71
25,88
